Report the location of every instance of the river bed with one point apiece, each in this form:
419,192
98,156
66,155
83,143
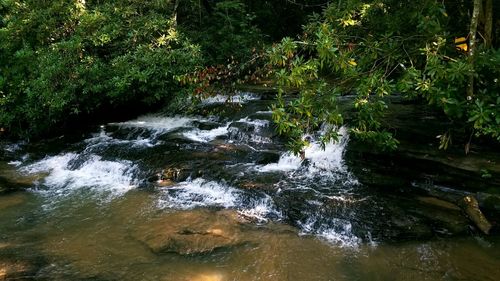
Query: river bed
202,197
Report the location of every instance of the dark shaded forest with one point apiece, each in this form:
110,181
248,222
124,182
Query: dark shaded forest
65,63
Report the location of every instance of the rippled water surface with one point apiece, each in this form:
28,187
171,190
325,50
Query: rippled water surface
219,198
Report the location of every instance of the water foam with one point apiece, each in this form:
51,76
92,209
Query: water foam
287,162
158,124
338,232
241,97
206,135
104,139
112,177
258,123
322,160
203,193
199,193
14,147
15,163
261,209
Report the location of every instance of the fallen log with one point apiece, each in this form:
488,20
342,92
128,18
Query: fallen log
467,202
470,206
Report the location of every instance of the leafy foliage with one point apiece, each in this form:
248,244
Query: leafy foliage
374,49
63,60
226,34
67,58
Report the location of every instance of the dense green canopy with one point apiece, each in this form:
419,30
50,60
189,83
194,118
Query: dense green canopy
68,61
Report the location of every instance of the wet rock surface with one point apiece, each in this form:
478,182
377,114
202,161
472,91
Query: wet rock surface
14,271
19,267
193,232
418,157
219,198
13,180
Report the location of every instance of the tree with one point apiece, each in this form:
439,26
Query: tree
375,49
68,60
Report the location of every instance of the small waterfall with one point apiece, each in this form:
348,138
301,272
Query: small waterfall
336,231
157,123
206,135
248,130
220,155
68,173
324,161
153,126
199,193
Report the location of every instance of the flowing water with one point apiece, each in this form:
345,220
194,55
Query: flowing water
219,198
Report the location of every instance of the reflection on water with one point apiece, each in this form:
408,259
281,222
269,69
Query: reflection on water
236,206
88,240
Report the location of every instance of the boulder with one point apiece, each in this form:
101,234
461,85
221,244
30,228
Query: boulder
267,157
11,179
171,175
418,157
192,232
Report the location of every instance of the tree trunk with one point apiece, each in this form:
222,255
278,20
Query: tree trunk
488,23
207,6
472,45
174,15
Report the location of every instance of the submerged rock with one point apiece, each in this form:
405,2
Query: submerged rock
444,217
12,199
192,232
10,270
11,179
465,200
208,277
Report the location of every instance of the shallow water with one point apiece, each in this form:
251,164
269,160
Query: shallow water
93,205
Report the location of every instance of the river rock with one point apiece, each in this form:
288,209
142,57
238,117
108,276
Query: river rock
444,217
418,157
11,200
11,179
172,175
267,157
192,232
254,185
467,201
249,132
208,277
10,270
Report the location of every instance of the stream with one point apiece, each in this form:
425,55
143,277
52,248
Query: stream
216,198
